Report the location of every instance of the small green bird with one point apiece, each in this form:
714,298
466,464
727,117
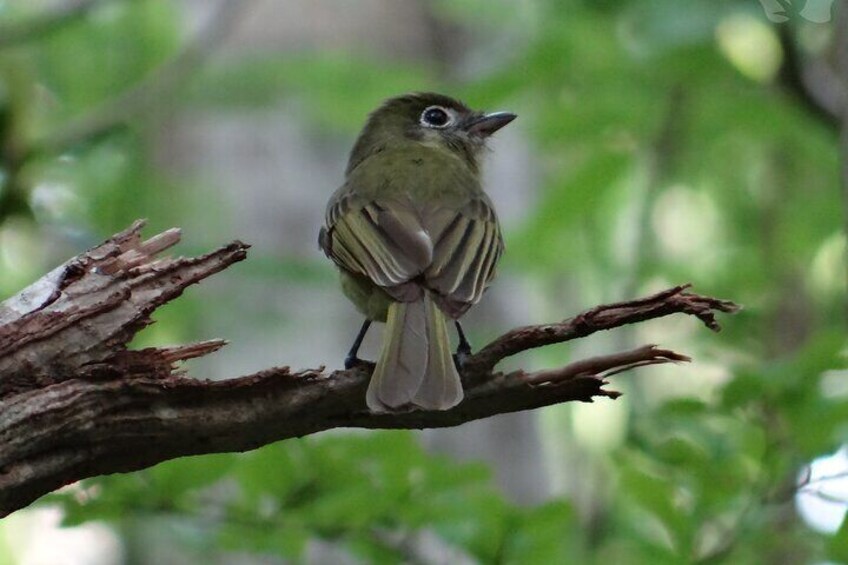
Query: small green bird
416,240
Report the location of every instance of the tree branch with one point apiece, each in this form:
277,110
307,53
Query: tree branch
75,402
812,81
605,317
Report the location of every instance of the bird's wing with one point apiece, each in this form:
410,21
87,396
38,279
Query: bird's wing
381,240
455,248
467,245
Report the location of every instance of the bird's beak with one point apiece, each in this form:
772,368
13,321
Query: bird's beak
488,124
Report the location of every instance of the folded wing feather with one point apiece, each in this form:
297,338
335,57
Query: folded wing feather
453,251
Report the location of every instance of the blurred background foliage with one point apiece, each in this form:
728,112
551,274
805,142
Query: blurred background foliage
659,142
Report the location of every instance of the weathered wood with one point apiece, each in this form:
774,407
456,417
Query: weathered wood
75,402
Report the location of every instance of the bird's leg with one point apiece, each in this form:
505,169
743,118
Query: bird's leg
463,350
352,360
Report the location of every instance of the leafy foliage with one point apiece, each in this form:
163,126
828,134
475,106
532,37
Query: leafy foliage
661,158
353,490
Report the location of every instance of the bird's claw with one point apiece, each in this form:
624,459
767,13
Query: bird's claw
461,357
352,361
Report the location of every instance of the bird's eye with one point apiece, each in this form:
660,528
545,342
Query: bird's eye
435,117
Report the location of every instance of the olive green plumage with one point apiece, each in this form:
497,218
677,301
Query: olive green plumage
416,239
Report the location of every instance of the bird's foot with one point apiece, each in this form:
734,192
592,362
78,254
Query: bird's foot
352,361
461,357
463,350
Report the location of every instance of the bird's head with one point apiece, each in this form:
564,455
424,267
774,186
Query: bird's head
430,119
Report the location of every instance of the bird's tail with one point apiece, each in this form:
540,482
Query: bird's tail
416,365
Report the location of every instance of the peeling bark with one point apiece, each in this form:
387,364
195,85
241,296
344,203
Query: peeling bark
75,402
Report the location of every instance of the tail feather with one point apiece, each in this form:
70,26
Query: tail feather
416,365
441,388
401,366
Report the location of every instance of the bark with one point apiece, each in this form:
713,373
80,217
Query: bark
75,402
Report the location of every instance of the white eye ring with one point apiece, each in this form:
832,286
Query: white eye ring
431,115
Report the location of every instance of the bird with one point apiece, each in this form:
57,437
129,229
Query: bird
417,242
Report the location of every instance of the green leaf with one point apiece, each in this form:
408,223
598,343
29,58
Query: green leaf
837,547
174,479
545,534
